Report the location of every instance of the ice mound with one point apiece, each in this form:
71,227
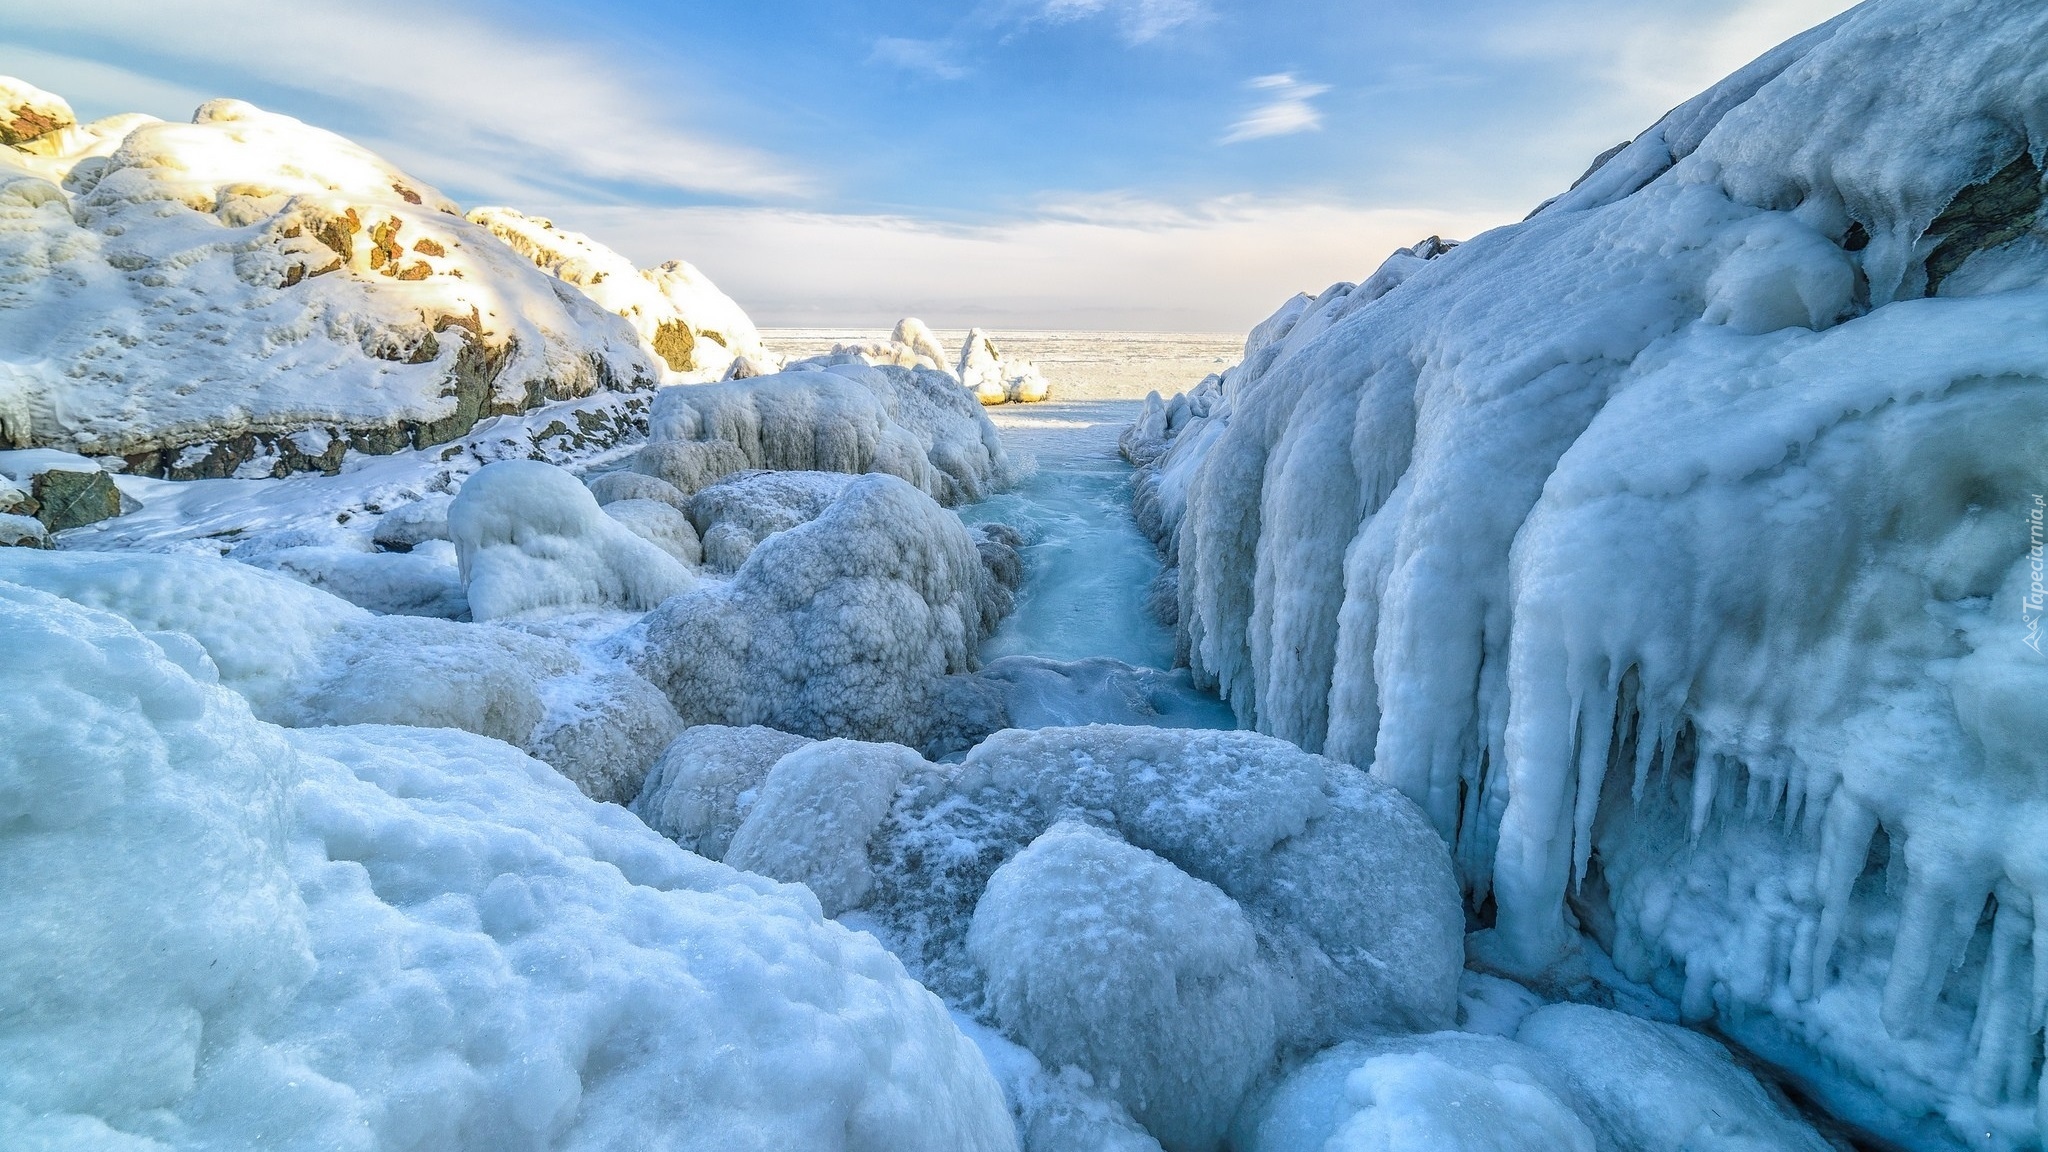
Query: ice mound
695,329
745,508
994,380
395,937
862,623
304,658
1574,1079
610,487
530,537
910,345
1352,894
1106,957
910,423
249,293
1675,549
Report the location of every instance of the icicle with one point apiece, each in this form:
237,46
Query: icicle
2001,1031
1706,769
1649,740
1846,831
1596,736
1935,926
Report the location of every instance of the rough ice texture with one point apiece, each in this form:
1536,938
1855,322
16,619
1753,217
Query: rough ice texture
695,329
304,658
1678,551
530,538
745,508
912,423
813,815
368,937
1351,894
1108,958
701,789
862,623
189,295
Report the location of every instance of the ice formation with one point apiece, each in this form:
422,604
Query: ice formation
530,537
862,622
247,287
304,658
994,380
690,324
911,423
1677,551
400,938
1164,914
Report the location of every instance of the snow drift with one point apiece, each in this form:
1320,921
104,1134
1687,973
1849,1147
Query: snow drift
1677,550
397,938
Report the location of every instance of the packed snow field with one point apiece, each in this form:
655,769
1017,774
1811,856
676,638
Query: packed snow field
1577,689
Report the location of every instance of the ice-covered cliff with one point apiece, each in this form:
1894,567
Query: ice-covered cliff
1678,550
249,293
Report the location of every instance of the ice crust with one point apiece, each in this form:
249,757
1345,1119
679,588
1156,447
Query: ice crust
304,658
393,938
912,423
1676,550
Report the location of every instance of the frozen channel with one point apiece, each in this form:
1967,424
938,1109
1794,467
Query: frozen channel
1086,566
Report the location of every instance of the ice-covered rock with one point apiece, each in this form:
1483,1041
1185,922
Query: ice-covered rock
695,329
745,508
247,291
609,487
911,423
706,781
1677,550
305,658
910,345
862,622
27,113
1106,957
391,937
660,524
994,380
813,814
530,537
1352,895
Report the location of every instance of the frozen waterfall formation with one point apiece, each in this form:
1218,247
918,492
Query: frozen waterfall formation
1678,551
249,295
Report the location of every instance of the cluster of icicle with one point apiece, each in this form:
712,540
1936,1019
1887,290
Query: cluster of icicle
1725,467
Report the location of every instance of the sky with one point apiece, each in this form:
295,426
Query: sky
1159,165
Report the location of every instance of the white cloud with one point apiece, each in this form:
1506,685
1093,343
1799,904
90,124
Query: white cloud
1286,111
1114,262
930,57
1137,20
452,86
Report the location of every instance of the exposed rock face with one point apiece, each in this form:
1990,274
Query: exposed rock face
29,113
74,499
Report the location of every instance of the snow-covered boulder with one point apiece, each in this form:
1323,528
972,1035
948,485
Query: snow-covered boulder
706,781
994,380
862,622
249,293
609,487
305,658
1108,958
27,113
813,814
1575,1078
662,525
1677,548
911,423
695,329
745,508
394,937
1357,913
530,537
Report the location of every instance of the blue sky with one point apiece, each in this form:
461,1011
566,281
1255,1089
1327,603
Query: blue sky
1158,164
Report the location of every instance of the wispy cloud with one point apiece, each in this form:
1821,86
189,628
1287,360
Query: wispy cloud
930,57
460,90
1137,20
1286,109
